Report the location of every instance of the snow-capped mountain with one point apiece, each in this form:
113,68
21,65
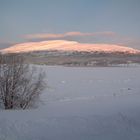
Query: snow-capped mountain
63,45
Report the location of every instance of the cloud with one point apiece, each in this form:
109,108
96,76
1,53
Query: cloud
68,34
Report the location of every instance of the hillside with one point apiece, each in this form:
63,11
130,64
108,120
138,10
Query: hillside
70,53
63,45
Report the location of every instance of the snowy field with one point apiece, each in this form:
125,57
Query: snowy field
80,104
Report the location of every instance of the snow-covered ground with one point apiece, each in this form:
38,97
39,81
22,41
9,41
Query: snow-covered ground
80,104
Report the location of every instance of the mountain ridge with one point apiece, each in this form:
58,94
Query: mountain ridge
64,45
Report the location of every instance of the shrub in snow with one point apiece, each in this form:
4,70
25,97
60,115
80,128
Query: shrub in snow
20,84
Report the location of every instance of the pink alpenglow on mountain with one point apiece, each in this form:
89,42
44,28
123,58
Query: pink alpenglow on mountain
63,45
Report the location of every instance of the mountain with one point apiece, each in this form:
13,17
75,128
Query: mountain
63,45
71,53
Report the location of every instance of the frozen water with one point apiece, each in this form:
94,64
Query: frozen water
80,104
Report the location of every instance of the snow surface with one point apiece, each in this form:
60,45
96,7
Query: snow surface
80,104
64,45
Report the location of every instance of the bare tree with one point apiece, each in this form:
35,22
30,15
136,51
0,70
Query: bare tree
20,83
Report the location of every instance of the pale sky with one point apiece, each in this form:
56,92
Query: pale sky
89,21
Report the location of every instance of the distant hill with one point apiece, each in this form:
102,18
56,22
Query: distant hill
63,45
70,53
